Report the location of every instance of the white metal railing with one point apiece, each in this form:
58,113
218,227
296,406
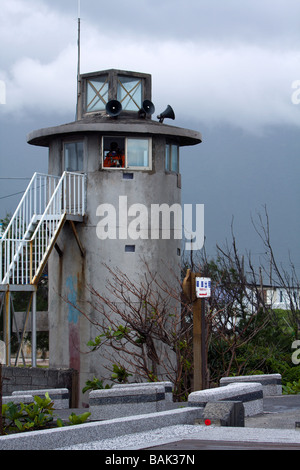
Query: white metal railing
34,227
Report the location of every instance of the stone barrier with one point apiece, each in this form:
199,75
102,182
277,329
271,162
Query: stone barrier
26,399
167,386
271,383
66,436
60,396
250,394
224,413
126,401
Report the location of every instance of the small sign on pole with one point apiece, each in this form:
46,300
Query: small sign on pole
203,287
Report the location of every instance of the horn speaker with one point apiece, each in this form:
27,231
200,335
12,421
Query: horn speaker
113,108
167,113
147,108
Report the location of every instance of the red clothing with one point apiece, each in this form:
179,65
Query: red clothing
114,159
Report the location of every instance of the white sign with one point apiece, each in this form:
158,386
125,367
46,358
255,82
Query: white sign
203,286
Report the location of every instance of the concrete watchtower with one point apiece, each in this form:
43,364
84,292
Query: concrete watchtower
130,162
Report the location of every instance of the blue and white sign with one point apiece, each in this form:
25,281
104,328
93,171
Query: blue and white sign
203,287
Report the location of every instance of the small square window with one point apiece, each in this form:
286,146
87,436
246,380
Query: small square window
130,248
127,176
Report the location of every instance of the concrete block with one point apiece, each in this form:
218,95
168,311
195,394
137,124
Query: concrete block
271,382
60,396
225,413
60,438
167,386
24,398
126,401
250,394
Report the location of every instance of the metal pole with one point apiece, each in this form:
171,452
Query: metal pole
33,330
7,327
78,69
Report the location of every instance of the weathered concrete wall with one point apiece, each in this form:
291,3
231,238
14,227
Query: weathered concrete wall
70,274
29,378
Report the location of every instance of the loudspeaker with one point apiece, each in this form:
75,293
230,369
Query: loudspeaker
113,108
148,107
168,113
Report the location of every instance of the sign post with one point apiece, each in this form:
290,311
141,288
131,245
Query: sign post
196,289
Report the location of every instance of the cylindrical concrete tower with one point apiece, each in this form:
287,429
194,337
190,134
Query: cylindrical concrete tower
131,163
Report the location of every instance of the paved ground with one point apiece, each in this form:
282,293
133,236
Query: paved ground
274,429
199,444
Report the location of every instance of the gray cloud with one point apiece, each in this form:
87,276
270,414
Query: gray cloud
227,68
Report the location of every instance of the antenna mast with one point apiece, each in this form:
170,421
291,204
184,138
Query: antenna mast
78,68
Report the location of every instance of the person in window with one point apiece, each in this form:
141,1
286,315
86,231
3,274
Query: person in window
115,158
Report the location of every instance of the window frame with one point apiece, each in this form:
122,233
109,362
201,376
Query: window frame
126,166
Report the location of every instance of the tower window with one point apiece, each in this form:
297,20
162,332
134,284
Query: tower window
125,152
73,156
96,94
138,152
172,158
130,93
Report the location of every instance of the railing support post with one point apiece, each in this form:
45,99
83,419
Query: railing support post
33,330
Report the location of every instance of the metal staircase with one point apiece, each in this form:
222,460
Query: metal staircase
31,235
33,230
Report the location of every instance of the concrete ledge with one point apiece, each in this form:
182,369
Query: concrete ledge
60,396
271,382
167,386
126,401
26,399
60,438
250,394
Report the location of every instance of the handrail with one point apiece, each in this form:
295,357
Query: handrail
29,236
32,202
68,198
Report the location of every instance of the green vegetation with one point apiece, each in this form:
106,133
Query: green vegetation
34,416
268,352
94,384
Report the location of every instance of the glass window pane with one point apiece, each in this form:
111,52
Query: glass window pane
167,155
73,153
96,94
138,152
130,93
174,158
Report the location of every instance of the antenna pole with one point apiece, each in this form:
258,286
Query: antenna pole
78,68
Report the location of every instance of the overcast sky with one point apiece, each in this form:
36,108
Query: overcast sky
228,69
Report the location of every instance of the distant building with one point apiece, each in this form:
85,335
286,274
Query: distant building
278,297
